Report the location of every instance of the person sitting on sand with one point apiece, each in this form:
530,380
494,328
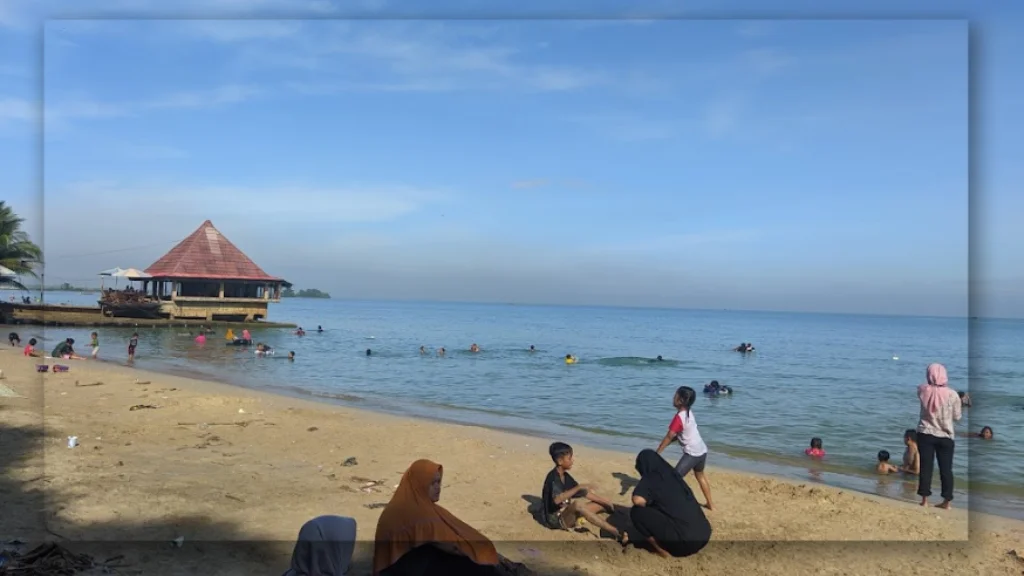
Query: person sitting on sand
665,511
884,467
324,547
565,501
417,536
570,359
965,398
30,349
14,339
815,451
474,348
911,457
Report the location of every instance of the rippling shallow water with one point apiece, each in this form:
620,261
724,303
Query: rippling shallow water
832,376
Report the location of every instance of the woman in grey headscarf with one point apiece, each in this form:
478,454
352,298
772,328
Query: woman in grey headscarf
324,547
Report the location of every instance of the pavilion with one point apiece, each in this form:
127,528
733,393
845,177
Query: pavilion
206,277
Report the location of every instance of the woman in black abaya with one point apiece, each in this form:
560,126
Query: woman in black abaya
665,511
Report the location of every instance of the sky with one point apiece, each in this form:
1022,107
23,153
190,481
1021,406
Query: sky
769,163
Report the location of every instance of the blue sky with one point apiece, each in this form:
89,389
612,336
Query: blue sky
767,164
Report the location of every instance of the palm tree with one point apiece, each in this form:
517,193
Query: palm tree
17,252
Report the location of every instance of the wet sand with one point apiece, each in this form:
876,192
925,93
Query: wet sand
236,472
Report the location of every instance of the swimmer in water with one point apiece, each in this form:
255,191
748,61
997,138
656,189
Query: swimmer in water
319,328
369,352
965,398
532,349
440,351
660,359
883,466
570,359
291,356
474,348
300,332
985,434
423,350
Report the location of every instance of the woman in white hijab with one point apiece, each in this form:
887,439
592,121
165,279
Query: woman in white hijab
324,547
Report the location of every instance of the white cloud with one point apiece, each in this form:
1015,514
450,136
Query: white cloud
58,113
16,109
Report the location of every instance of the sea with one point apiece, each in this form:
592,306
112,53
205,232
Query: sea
849,379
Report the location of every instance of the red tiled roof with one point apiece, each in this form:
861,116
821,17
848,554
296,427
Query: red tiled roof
206,253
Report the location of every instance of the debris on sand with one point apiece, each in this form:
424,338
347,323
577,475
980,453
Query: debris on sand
51,559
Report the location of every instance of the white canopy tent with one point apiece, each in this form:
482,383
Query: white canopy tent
117,273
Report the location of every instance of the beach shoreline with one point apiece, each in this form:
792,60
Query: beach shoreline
213,455
894,487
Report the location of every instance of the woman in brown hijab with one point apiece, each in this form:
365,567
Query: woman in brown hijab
416,536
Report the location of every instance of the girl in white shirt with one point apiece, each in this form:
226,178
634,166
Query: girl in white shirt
683,428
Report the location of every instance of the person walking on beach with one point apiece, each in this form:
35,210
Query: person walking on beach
940,406
132,343
684,429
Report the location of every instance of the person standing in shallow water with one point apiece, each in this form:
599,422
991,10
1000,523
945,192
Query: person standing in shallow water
940,406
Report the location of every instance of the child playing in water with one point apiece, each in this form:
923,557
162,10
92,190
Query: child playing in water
883,463
291,356
683,428
815,451
985,434
570,359
95,344
911,458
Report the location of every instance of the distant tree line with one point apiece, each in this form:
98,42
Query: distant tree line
305,293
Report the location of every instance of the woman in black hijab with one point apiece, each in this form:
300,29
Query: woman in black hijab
665,511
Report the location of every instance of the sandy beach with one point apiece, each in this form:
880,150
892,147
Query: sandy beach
236,472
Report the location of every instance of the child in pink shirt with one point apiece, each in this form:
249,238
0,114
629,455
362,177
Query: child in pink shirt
815,451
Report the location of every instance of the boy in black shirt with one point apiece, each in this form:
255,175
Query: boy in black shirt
565,501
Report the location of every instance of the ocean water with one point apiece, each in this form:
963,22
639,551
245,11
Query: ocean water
831,376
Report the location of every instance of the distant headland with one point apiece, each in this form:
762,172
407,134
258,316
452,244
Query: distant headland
305,293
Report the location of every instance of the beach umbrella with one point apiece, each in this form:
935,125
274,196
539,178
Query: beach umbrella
133,274
114,272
